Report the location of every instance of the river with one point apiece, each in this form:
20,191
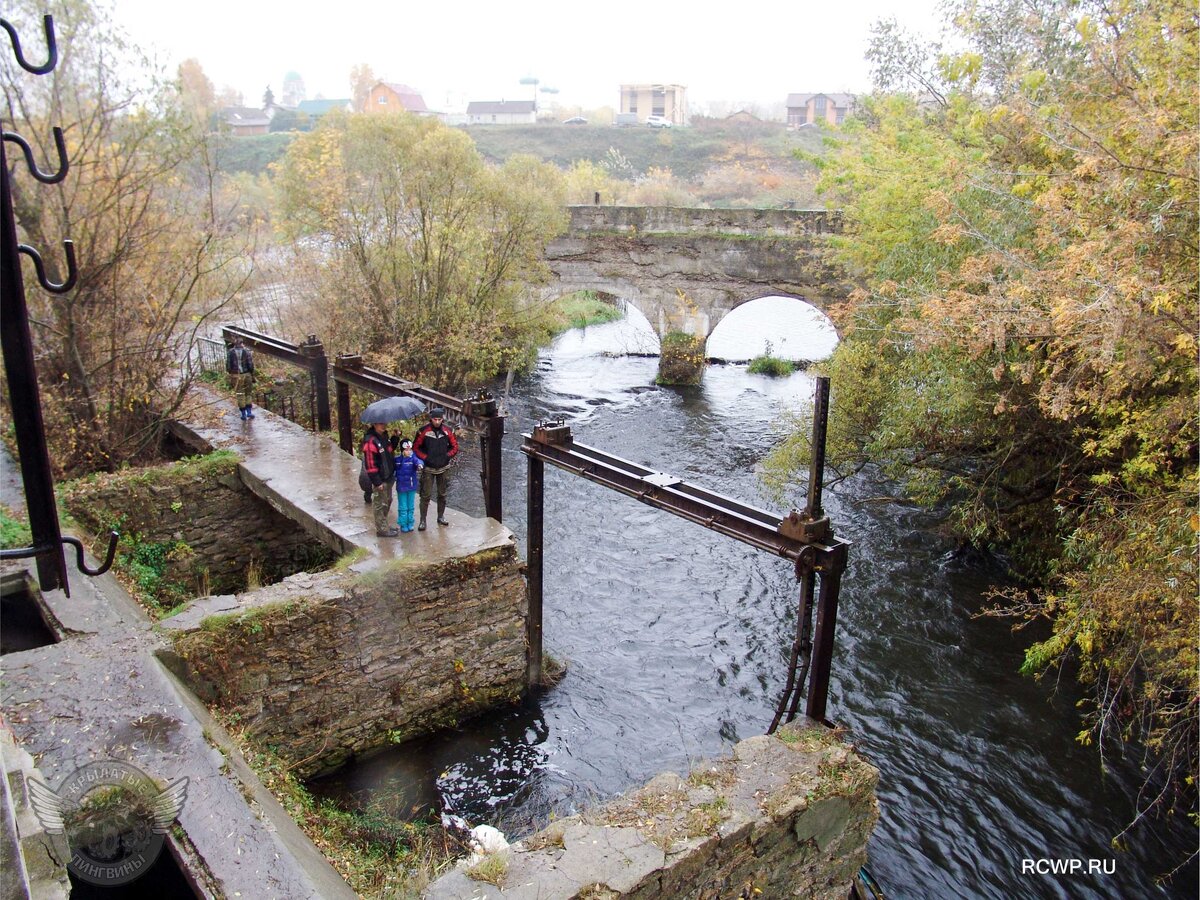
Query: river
676,639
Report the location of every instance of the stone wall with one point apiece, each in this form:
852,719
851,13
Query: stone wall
788,815
324,665
676,220
199,503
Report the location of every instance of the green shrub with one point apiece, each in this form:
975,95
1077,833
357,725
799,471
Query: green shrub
772,366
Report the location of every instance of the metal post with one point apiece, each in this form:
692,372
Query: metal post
533,624
345,426
318,369
816,472
23,393
491,439
822,654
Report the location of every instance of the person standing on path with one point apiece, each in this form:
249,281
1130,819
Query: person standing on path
408,477
239,365
381,470
435,446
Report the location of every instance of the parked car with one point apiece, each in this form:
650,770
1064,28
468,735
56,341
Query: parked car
658,121
575,120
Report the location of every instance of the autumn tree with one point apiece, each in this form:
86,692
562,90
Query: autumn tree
154,259
196,92
362,79
1024,347
426,254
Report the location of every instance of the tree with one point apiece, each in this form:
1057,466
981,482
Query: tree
268,99
228,96
362,79
196,91
1024,346
155,262
427,252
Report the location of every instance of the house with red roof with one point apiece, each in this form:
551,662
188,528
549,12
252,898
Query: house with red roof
389,97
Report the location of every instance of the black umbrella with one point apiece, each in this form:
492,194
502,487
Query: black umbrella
392,409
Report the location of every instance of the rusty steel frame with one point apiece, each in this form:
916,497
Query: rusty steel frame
309,356
805,540
479,413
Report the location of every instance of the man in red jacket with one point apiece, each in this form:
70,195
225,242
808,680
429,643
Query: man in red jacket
435,445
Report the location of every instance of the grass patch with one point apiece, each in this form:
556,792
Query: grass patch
13,532
376,850
492,868
583,308
772,366
715,777
705,818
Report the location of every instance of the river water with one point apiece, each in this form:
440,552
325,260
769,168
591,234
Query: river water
676,640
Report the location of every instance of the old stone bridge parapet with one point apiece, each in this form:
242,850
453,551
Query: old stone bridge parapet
686,269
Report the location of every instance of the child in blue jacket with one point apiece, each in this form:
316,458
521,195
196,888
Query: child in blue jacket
408,475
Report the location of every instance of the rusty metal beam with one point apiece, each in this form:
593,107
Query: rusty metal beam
754,526
479,413
459,412
806,539
309,356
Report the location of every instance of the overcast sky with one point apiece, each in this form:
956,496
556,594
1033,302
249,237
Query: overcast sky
745,50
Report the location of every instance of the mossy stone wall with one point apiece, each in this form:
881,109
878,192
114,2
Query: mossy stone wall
215,531
325,665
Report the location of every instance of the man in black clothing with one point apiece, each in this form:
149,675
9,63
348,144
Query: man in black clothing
239,364
435,445
380,465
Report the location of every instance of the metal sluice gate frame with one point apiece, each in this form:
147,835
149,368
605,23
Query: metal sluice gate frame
806,538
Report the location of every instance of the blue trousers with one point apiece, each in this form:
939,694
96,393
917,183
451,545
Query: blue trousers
405,503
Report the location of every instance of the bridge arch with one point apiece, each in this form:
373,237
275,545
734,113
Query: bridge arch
785,326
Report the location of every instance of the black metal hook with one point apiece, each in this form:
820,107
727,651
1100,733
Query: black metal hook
51,47
59,143
113,537
24,552
72,271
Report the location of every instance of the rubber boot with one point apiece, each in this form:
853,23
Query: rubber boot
249,410
242,412
442,512
424,513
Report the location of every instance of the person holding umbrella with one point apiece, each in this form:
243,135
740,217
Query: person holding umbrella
435,446
380,466
378,455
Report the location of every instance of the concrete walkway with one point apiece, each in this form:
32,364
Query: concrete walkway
102,693
310,480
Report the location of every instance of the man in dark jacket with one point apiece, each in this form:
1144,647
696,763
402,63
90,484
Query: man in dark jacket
381,470
435,445
239,365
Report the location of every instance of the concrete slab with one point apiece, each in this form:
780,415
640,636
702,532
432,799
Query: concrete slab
308,478
105,695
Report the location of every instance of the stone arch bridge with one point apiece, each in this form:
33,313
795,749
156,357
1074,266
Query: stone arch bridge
686,269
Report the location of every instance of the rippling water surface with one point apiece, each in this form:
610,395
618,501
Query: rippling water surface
676,641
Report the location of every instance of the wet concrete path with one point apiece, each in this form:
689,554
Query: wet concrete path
102,693
309,479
